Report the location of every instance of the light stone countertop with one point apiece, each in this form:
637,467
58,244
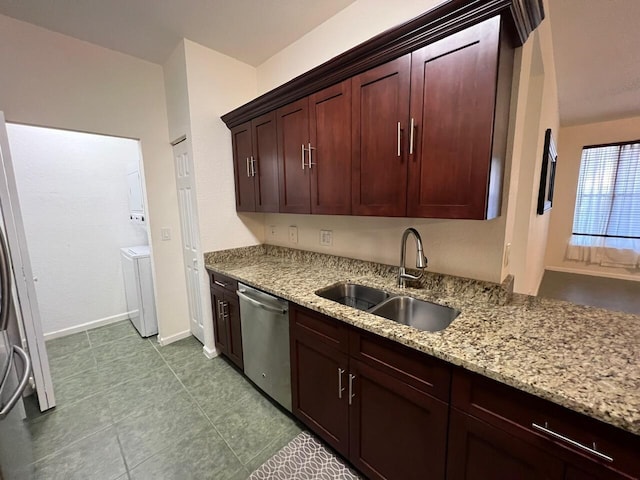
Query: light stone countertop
584,358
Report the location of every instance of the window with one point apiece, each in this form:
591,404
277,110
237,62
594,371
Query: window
608,199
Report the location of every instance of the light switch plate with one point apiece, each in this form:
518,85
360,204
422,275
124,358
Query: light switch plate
293,234
326,238
165,234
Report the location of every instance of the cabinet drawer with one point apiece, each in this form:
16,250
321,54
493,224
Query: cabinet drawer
417,369
313,326
223,281
523,414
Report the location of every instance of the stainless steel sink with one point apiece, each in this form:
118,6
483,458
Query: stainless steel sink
356,296
416,313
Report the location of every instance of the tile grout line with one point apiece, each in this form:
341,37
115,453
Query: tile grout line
203,412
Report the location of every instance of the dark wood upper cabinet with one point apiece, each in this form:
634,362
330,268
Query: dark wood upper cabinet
453,98
265,167
380,107
242,152
330,153
255,164
293,169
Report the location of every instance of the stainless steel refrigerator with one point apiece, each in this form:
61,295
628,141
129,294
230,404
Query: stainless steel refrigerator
15,369
23,354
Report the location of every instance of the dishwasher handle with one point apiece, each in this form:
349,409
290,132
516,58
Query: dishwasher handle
255,303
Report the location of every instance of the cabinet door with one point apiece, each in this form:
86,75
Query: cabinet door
330,133
317,374
293,169
453,95
396,431
219,324
234,329
242,152
380,109
265,155
479,451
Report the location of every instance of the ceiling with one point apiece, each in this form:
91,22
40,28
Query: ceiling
597,55
249,30
595,41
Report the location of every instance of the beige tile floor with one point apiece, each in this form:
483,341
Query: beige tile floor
128,408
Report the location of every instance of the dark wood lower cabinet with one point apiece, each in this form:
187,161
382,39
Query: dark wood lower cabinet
227,328
396,430
396,413
387,428
479,451
317,400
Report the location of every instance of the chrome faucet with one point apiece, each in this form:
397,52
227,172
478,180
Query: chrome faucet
421,260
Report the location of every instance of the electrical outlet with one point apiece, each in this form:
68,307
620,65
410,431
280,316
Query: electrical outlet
507,253
165,234
293,234
326,238
272,230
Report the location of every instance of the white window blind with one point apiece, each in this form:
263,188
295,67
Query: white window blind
608,198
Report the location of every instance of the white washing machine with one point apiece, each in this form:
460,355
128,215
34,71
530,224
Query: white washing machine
138,286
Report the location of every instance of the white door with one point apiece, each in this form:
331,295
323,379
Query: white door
189,223
27,305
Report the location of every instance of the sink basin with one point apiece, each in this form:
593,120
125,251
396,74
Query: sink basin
416,313
352,295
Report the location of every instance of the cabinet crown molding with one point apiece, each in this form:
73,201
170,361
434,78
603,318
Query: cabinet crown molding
521,18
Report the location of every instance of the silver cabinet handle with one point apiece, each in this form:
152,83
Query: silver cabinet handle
351,394
310,161
558,436
398,138
411,137
248,171
255,303
220,316
221,284
303,149
340,387
225,313
252,162
24,381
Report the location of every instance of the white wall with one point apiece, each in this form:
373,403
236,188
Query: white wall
73,194
572,139
202,85
537,110
50,79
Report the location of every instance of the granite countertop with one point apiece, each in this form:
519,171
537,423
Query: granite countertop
584,358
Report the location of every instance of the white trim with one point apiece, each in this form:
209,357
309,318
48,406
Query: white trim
580,271
86,326
210,353
164,341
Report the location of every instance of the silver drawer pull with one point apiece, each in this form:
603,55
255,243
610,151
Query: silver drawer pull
571,442
351,394
340,387
222,284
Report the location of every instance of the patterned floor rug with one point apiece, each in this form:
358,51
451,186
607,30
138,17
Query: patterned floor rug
304,458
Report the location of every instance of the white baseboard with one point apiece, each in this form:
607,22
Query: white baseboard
210,353
164,341
595,273
86,326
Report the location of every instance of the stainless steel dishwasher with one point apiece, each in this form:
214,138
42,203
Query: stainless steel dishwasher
265,342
